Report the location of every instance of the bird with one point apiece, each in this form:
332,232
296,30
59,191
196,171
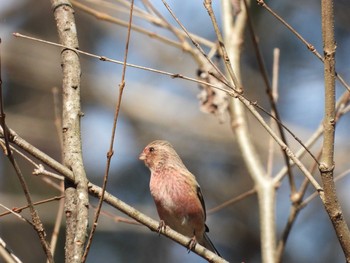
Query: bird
176,193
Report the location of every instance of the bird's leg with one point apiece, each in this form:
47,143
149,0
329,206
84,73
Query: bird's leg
162,226
192,243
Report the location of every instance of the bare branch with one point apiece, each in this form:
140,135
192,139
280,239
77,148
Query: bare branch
77,201
326,167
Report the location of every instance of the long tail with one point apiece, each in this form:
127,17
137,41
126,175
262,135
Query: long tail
209,245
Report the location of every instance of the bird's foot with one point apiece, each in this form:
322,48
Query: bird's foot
162,226
192,244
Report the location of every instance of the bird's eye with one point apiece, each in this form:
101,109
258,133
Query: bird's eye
151,149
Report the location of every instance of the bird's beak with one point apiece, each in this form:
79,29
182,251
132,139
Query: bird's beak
142,156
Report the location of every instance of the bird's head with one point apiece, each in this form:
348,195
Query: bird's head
158,154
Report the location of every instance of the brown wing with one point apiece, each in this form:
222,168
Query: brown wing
200,196
207,242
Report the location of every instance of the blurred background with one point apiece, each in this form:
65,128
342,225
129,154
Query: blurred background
157,107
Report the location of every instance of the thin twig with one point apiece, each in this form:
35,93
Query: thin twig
307,44
58,221
314,194
18,210
103,58
167,25
111,147
226,58
232,201
288,130
197,45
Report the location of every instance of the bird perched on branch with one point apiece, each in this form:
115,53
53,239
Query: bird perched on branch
176,193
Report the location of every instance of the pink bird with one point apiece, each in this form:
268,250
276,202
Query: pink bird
176,193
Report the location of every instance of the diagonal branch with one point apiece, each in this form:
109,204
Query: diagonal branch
96,191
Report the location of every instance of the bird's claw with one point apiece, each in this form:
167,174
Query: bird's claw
161,226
